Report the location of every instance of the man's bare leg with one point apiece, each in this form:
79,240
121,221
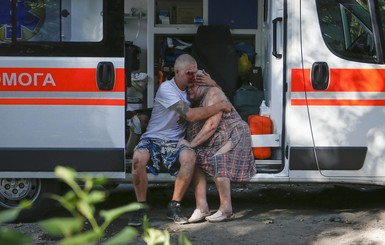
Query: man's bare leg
139,174
184,177
182,182
140,182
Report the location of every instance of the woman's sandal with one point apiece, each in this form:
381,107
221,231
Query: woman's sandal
219,216
198,216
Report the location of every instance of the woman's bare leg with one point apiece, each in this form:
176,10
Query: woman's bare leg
200,185
224,190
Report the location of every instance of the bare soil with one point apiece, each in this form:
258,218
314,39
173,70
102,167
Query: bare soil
265,214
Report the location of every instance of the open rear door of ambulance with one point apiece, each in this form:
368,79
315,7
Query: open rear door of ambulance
340,87
62,92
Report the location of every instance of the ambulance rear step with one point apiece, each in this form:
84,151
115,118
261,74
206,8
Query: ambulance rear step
274,163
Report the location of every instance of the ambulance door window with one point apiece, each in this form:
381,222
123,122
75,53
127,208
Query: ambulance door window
347,30
82,20
38,21
51,21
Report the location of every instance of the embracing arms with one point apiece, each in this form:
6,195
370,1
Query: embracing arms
210,126
199,113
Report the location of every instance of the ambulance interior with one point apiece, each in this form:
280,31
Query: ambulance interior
234,57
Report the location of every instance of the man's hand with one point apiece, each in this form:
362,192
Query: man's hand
226,106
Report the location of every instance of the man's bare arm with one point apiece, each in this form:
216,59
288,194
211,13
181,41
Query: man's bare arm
181,107
199,113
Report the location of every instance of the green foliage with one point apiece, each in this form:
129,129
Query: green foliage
80,202
121,238
11,214
152,236
9,236
183,240
62,227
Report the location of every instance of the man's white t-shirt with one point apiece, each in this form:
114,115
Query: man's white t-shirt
165,123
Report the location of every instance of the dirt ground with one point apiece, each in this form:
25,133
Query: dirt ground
265,214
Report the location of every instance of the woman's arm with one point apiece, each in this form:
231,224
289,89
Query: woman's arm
214,96
207,130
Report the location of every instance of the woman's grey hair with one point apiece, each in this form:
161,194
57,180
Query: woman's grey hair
183,60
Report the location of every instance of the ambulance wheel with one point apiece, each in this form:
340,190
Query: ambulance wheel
14,190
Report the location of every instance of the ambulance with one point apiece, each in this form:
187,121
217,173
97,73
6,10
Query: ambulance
63,93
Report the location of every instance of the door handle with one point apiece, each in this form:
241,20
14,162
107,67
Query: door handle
320,75
275,53
105,77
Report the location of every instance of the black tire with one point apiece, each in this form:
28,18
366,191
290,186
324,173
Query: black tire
14,190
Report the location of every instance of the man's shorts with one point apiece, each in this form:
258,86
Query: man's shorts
162,153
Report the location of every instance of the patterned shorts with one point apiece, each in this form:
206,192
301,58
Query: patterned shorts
162,153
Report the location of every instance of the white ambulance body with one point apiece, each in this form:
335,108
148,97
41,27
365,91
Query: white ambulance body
334,105
63,92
